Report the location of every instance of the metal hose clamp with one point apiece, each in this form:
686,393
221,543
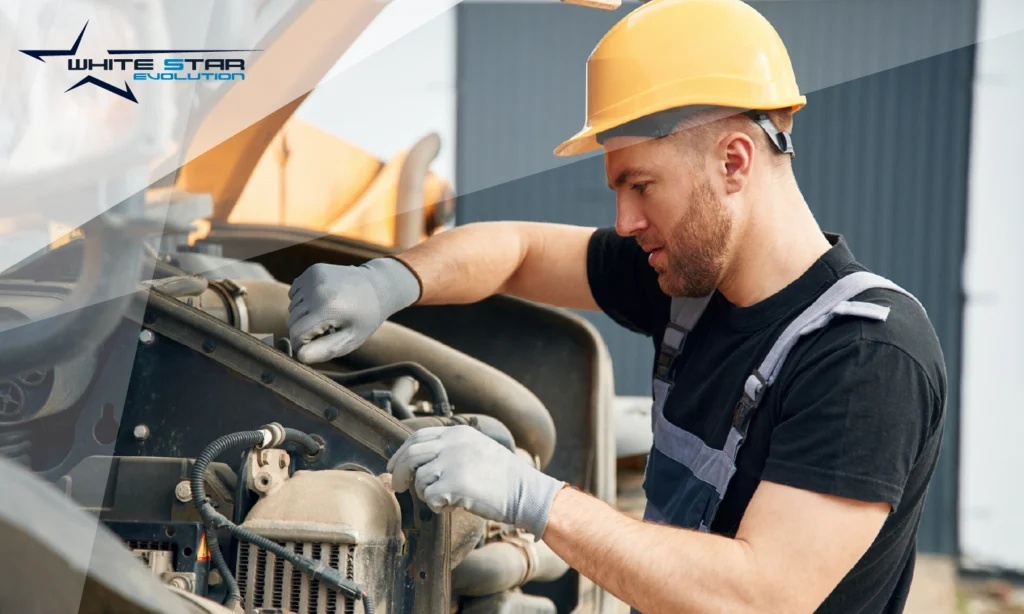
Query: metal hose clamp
274,435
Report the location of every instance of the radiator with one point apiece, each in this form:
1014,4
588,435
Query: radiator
267,581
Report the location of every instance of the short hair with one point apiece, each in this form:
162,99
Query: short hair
696,132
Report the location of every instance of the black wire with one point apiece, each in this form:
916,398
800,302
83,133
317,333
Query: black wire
234,595
202,503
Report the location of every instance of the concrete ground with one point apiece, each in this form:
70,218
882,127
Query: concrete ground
936,589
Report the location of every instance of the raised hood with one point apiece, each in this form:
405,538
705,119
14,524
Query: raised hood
230,128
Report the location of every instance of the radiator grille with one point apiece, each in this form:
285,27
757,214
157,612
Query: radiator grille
267,581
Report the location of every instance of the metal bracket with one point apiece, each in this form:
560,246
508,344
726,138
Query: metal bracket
268,470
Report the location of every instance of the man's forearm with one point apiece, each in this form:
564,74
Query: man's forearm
654,568
466,264
538,261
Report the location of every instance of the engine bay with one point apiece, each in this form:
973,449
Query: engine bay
250,481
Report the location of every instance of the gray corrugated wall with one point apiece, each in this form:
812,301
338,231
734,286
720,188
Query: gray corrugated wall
882,150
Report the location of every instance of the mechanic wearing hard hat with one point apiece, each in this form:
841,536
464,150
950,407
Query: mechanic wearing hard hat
798,398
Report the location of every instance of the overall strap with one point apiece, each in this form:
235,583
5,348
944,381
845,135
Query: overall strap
834,302
683,313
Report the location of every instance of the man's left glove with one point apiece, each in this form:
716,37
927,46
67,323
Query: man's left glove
458,466
347,302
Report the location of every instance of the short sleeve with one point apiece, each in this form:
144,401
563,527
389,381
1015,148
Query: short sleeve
853,423
623,284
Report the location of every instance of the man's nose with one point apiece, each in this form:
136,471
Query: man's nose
629,218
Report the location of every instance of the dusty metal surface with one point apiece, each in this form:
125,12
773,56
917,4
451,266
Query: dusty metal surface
350,507
350,520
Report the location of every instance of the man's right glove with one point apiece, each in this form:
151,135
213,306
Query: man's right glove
458,466
348,302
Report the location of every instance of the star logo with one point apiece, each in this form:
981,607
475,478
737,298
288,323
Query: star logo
39,54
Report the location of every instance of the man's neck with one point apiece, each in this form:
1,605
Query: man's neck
780,242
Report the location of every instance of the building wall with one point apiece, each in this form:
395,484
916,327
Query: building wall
395,84
991,498
882,150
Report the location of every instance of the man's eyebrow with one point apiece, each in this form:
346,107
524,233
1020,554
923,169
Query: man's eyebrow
626,175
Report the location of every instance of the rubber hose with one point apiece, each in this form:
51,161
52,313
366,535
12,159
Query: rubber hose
181,286
438,395
492,569
309,445
267,302
550,566
401,410
402,391
492,427
502,566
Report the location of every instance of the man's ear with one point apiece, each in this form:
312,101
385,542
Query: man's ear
735,160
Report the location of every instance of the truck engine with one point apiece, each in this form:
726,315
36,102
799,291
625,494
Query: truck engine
237,477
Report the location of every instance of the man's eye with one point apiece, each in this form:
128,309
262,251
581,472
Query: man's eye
640,187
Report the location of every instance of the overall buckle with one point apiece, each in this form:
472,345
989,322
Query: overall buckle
671,341
753,391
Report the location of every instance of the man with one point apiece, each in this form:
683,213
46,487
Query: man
798,399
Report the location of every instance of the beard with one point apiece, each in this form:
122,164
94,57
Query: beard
696,247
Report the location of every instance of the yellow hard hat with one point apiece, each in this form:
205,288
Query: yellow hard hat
669,54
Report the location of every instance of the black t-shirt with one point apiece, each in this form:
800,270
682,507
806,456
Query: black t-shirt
857,410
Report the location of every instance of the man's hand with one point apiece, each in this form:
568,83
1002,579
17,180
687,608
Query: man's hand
458,466
350,302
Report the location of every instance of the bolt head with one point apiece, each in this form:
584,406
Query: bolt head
141,432
183,491
146,337
180,583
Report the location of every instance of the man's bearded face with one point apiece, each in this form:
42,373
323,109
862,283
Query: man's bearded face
667,202
693,254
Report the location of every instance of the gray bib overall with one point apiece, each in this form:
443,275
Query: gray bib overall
686,480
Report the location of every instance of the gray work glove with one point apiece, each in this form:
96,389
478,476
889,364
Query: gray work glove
349,302
458,466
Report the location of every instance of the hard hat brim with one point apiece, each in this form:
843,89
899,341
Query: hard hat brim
586,139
